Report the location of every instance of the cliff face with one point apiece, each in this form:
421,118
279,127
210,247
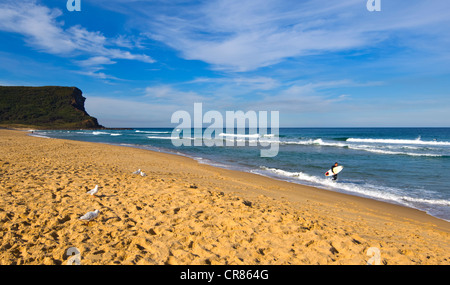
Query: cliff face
49,107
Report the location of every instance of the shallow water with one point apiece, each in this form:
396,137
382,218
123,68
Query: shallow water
406,166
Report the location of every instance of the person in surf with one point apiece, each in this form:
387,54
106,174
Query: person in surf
332,169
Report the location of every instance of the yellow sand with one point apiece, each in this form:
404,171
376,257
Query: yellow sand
184,212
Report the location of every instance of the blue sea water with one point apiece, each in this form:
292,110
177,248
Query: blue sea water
406,166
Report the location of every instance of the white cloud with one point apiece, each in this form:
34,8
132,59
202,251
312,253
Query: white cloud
166,94
234,35
96,61
300,99
229,95
129,112
38,25
96,74
248,83
311,104
42,31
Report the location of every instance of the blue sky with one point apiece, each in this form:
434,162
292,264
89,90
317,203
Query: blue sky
320,63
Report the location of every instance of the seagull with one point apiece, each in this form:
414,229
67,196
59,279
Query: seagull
89,216
137,171
93,191
143,174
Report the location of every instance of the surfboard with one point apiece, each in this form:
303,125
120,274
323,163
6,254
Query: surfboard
337,169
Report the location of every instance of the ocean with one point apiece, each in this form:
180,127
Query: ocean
406,166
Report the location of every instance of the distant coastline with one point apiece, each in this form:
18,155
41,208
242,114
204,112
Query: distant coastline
46,107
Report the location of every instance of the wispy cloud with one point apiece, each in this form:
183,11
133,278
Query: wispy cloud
168,95
291,97
234,35
306,98
247,82
96,61
41,30
306,59
129,112
37,24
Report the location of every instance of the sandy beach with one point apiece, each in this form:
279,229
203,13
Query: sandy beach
184,212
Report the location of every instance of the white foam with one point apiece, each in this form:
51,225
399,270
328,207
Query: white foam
40,136
440,202
268,135
318,142
368,190
379,149
162,138
417,141
99,133
152,132
370,148
239,135
382,151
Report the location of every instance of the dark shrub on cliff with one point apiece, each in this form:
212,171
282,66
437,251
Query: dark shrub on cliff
49,107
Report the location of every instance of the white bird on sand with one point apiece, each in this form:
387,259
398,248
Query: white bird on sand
143,174
137,171
89,216
93,191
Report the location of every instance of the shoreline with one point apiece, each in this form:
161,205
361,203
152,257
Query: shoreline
249,170
222,217
315,188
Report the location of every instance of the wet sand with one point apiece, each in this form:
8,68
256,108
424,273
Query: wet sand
184,212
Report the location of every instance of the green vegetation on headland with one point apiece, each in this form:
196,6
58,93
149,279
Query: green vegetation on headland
48,107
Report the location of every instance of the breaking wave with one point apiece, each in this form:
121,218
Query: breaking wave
417,141
366,189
